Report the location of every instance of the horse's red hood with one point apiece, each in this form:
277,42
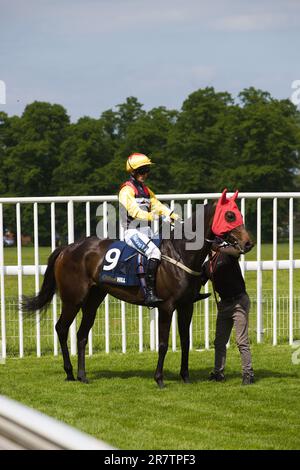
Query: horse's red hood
227,215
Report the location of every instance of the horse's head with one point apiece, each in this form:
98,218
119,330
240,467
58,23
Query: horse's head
228,226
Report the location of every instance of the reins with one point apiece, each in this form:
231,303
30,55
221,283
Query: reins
220,242
180,265
211,270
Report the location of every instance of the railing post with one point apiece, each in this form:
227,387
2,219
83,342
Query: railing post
37,274
54,300
20,285
206,312
106,301
88,233
174,318
71,240
259,274
291,269
123,307
152,329
2,288
189,214
275,271
156,329
141,345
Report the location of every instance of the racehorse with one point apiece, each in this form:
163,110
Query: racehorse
74,270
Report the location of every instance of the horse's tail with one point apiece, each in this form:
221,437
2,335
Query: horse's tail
44,297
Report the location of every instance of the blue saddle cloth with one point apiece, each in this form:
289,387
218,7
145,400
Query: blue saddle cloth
121,264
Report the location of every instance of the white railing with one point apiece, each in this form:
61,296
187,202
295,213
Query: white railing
36,270
23,428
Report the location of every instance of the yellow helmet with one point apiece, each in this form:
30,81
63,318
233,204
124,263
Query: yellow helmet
136,160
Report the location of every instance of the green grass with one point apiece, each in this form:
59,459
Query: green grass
123,406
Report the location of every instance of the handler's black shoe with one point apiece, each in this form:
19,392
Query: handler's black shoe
216,377
248,379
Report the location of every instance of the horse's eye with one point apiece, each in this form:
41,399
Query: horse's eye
230,216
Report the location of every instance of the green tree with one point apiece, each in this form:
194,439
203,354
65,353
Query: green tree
264,141
149,135
32,144
127,113
195,142
84,164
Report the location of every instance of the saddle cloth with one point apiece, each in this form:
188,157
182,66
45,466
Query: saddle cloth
121,264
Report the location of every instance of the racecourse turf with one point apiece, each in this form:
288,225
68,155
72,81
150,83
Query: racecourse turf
123,406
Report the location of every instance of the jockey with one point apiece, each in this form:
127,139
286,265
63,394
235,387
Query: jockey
139,206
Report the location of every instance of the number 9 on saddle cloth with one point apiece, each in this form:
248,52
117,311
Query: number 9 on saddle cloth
123,264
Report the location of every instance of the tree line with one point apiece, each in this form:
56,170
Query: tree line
214,141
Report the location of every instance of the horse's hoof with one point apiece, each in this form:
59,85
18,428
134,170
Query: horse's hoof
70,378
186,379
160,384
83,380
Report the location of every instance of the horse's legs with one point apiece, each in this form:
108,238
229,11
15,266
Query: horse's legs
89,310
68,313
184,314
164,320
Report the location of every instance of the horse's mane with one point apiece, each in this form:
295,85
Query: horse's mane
209,210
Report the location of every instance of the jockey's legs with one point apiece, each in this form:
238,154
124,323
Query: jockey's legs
139,240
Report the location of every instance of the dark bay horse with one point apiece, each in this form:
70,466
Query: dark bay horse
74,270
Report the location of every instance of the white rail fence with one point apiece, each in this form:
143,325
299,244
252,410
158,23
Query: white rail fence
121,326
23,428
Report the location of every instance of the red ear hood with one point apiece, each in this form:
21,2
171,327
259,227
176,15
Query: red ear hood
223,223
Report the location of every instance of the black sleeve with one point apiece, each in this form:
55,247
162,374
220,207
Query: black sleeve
229,251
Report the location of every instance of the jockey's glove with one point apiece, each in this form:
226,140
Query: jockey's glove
174,216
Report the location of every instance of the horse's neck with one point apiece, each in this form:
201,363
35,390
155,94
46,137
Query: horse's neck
195,258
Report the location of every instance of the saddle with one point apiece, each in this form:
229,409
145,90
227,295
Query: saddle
123,264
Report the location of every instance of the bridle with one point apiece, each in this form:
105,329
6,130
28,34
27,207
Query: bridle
228,240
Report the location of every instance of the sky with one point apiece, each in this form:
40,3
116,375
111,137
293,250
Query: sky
90,55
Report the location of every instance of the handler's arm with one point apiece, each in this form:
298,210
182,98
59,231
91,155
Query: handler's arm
229,250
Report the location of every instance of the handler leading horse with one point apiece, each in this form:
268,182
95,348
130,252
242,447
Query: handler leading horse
74,270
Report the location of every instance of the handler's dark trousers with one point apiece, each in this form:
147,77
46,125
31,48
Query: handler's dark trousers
233,312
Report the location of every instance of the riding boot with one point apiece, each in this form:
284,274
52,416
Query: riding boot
151,299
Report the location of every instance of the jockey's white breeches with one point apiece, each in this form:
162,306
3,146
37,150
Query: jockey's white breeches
140,240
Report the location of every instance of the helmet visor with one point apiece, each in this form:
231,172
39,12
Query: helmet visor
143,170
